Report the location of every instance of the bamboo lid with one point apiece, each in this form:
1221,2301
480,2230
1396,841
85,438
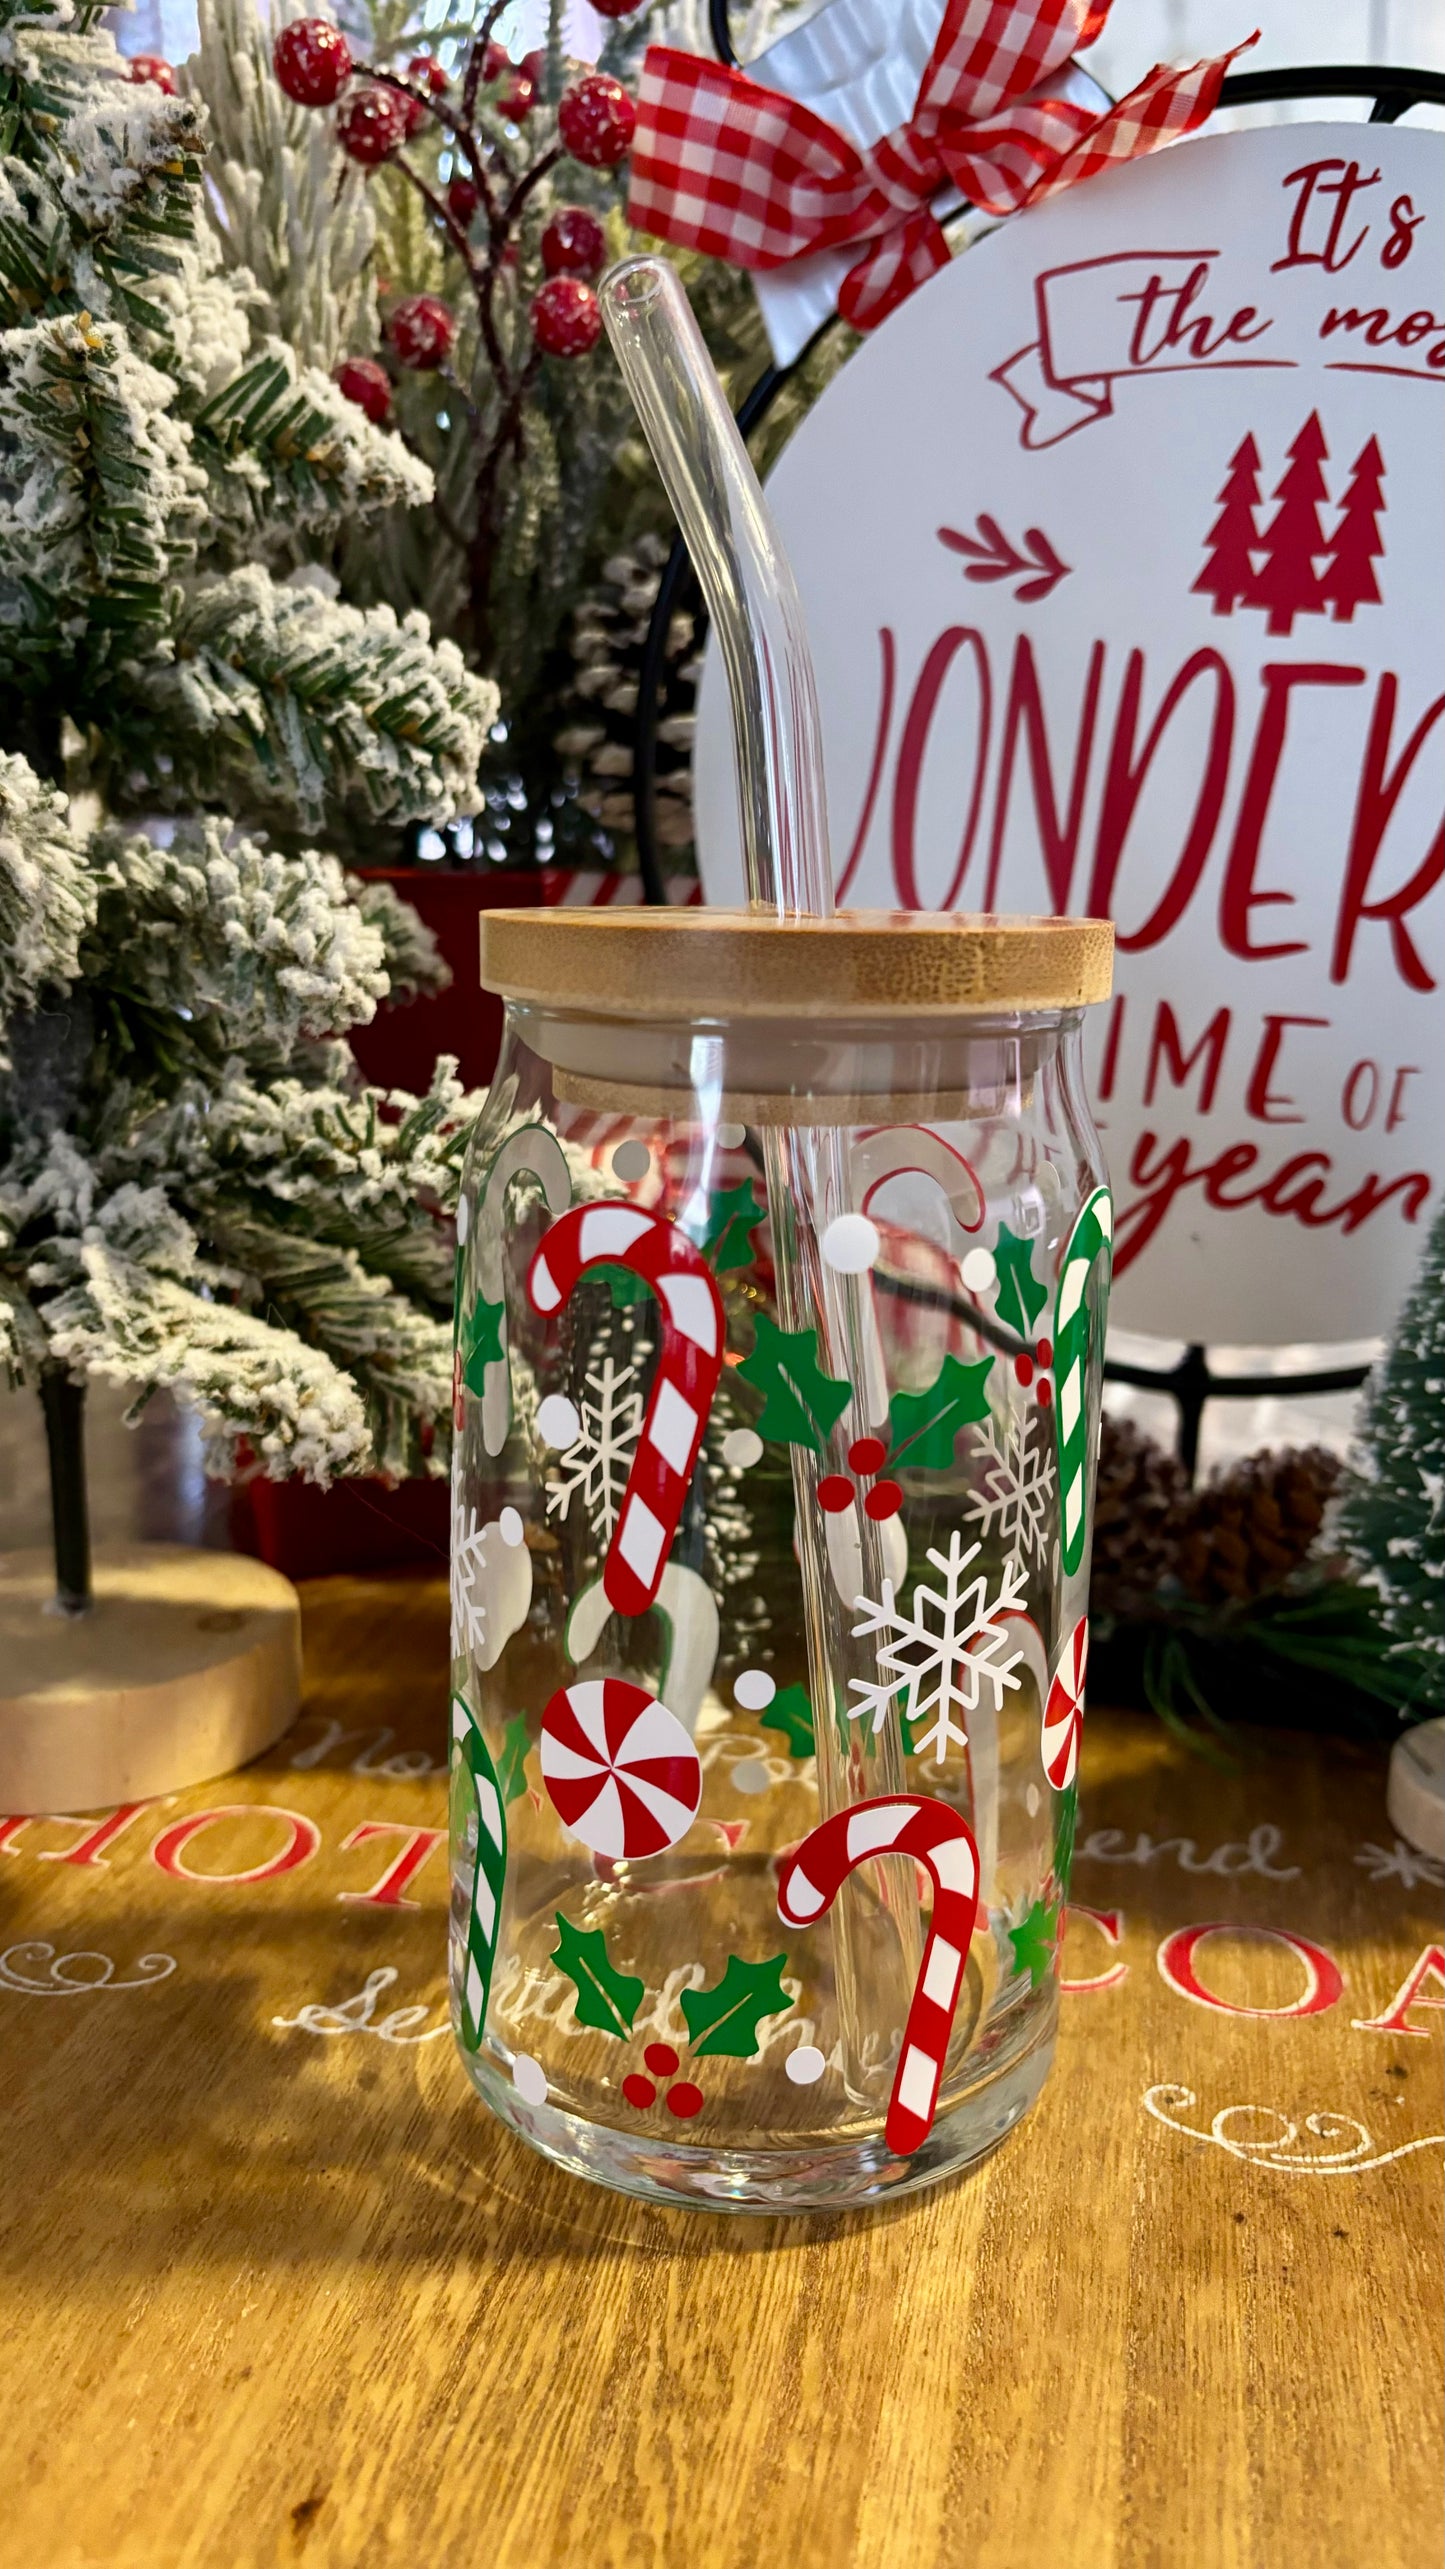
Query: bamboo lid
742,963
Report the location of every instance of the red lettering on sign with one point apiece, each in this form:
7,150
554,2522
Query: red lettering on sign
1124,782
1312,179
1058,839
303,1839
1178,1966
1285,1193
1239,897
1166,1039
1380,789
913,749
1258,1099
1411,1993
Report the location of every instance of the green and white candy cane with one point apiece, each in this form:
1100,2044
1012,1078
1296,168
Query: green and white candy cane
1090,1245
530,1152
471,1758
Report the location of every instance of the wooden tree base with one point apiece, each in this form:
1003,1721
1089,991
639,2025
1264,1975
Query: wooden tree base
187,1664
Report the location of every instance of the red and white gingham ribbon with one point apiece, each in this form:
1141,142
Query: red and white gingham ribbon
722,165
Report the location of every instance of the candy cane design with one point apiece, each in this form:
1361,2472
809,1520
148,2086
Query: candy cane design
686,1379
485,1906
1090,1244
532,1152
1064,1710
915,1824
899,1150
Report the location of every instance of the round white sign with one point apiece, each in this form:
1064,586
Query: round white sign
1122,546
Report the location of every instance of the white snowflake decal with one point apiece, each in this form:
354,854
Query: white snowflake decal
1014,1497
491,1585
1402,1864
469,1607
600,1460
937,1665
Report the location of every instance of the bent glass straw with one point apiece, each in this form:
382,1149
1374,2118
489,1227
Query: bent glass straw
757,616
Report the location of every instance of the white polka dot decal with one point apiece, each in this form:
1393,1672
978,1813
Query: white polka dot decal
754,1689
742,1447
558,1422
850,1244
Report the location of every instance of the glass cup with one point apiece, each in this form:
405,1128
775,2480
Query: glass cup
783,1260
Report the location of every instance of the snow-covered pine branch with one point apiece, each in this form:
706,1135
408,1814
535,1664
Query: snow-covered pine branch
286,209
47,894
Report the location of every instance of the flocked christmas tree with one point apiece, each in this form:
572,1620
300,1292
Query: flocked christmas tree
195,1190
1393,1517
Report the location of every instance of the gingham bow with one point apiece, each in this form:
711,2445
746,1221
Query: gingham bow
723,165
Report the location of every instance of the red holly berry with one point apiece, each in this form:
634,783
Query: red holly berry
424,72
867,1454
463,198
834,1494
615,8
367,384
312,61
371,124
151,67
595,119
517,97
883,1500
574,244
566,318
422,331
684,2100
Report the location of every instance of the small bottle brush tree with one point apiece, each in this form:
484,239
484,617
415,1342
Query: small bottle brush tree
195,1190
1392,1519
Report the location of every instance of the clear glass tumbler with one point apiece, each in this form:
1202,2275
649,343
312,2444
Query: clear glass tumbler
784,1253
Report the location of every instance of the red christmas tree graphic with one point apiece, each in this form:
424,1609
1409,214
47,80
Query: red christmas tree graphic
1356,545
1287,584
1228,575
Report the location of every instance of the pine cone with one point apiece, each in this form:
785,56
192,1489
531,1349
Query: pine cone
1252,1526
606,640
1141,1506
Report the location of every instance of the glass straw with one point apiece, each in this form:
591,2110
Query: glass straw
757,616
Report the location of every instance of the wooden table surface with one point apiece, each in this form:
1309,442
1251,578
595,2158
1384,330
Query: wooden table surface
276,2289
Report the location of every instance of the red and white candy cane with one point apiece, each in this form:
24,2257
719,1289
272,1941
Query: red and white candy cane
915,1824
689,1364
1063,1720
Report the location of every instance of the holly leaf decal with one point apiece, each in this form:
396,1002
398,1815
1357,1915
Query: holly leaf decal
1066,1812
800,1401
726,2019
624,1287
925,1424
1020,1295
1035,1942
791,1713
607,1999
733,1216
481,1342
511,1765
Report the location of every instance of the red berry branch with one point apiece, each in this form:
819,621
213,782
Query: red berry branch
478,212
